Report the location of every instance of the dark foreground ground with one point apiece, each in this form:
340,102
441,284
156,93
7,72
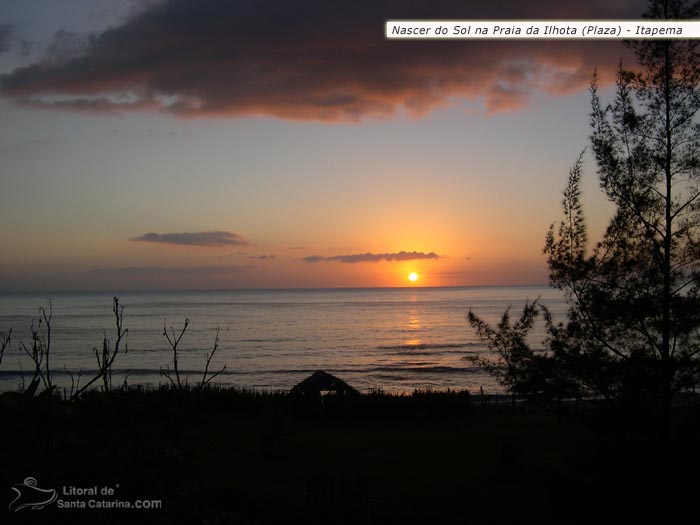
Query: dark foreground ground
223,456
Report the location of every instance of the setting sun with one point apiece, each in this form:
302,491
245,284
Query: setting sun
413,277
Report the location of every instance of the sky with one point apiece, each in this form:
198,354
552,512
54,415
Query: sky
172,144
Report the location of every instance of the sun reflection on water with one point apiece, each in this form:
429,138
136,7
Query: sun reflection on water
413,324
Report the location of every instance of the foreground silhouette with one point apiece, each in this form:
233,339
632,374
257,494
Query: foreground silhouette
631,341
321,382
231,456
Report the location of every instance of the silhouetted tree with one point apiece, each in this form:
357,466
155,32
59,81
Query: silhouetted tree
515,365
635,303
105,357
5,340
174,341
206,377
40,350
632,332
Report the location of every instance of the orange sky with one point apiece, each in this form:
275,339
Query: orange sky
282,166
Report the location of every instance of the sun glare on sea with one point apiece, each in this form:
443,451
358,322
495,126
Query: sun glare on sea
413,277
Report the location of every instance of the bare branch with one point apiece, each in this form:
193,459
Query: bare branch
206,380
174,341
105,358
5,340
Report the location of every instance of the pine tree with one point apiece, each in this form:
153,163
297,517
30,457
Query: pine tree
635,303
632,334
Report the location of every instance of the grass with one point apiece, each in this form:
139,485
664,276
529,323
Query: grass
231,456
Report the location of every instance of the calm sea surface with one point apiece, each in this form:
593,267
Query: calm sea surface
395,339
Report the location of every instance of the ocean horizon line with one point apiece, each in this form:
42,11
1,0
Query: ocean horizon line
289,289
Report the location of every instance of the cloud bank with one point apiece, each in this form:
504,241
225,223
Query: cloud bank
372,257
310,60
194,239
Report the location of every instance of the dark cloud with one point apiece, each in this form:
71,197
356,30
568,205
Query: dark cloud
311,59
263,257
5,34
10,40
372,257
194,239
67,44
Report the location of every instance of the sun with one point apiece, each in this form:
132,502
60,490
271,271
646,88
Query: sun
413,277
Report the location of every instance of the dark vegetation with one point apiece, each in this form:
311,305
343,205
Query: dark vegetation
632,335
105,358
217,455
41,383
230,456
173,342
629,349
5,340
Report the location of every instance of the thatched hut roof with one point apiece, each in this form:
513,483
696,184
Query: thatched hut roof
320,382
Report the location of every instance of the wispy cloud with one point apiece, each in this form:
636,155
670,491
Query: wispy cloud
264,257
372,257
215,239
310,61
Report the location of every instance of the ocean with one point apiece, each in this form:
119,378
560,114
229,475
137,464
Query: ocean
395,339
